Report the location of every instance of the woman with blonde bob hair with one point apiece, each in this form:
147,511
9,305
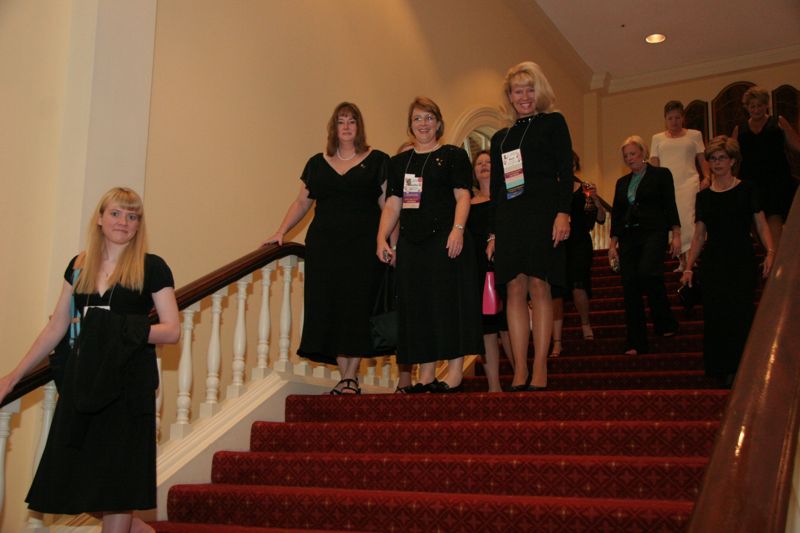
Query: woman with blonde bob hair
531,193
643,212
725,212
100,456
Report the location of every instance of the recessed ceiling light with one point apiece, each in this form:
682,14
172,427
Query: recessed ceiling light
655,38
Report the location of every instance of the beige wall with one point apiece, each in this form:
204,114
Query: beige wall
33,39
641,112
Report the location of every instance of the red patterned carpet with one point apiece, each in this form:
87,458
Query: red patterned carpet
617,444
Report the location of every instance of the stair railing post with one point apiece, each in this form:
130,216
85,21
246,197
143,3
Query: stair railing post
287,265
236,388
5,432
181,427
214,359
262,350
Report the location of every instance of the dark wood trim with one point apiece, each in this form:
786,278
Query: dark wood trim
748,482
186,296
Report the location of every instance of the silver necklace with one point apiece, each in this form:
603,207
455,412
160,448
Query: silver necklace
339,155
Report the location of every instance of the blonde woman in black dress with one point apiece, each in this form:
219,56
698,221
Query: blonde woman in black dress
531,195
100,456
347,183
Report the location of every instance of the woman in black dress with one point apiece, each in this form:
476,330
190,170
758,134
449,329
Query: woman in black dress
478,226
342,275
724,215
763,141
100,456
585,210
642,214
531,194
437,297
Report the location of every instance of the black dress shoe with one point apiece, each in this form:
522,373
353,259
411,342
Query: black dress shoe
417,388
445,388
520,388
434,386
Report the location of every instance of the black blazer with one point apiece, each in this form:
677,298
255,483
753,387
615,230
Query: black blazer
654,208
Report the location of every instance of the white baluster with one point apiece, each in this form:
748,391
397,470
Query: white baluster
282,364
371,377
5,432
181,427
159,399
48,409
303,366
262,367
386,372
211,406
236,388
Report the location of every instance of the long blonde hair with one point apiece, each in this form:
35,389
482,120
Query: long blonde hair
129,271
530,74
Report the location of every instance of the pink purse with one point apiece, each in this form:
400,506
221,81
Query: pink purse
491,302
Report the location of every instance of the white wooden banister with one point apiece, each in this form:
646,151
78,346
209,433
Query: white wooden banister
262,350
5,432
287,265
214,360
236,388
181,427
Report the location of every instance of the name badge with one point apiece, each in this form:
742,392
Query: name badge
412,191
512,170
86,308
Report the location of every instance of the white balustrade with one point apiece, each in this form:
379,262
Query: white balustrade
5,432
303,366
262,350
236,388
214,361
287,265
48,409
181,427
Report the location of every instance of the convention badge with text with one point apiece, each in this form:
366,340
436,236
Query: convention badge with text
512,170
412,191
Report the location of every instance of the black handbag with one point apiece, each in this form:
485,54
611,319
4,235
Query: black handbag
383,322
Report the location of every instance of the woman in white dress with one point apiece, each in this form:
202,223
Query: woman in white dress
682,152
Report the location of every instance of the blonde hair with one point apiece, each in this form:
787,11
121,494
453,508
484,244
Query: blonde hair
755,93
129,271
638,141
530,74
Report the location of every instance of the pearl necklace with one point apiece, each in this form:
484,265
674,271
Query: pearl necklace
339,155
730,186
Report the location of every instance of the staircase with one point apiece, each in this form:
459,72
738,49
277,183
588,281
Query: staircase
617,444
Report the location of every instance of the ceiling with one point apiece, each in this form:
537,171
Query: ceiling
704,37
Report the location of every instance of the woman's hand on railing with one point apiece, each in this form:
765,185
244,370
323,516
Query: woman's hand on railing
276,237
7,384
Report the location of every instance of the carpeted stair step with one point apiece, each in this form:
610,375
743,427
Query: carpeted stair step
321,508
545,405
677,379
611,331
634,438
658,478
568,363
616,316
189,527
681,342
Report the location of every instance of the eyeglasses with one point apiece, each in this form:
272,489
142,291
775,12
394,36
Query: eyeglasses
417,119
718,158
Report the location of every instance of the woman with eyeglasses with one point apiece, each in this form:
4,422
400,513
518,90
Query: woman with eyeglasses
437,297
724,214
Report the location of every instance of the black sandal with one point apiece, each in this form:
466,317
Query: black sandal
346,386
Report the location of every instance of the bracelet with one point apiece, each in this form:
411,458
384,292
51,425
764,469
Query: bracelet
688,271
770,251
459,226
490,238
394,247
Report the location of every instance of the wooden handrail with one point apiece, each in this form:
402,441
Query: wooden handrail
748,482
186,296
